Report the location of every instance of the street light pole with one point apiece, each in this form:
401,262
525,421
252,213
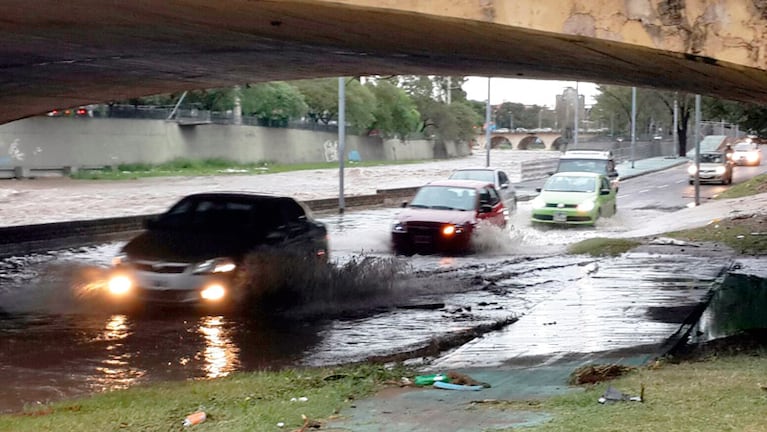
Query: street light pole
341,141
487,124
697,150
575,117
633,122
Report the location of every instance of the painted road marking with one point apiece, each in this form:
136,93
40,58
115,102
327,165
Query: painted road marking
645,190
662,186
623,196
680,181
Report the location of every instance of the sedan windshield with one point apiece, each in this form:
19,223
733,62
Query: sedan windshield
583,165
711,158
570,184
481,175
744,146
445,198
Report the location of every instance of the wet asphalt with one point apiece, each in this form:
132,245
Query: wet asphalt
570,310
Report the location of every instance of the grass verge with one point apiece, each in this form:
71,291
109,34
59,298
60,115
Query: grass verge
753,186
600,246
207,167
241,402
745,235
720,392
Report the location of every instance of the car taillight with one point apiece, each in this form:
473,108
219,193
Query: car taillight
82,111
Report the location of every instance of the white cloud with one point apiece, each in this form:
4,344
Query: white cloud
524,91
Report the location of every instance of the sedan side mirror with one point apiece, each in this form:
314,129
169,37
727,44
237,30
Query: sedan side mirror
404,204
538,190
605,192
505,186
485,208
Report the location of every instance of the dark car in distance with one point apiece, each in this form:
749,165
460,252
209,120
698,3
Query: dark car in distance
192,253
444,215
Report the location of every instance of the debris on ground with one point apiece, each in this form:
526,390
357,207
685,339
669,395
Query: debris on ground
592,374
308,424
427,380
195,418
451,386
463,379
614,395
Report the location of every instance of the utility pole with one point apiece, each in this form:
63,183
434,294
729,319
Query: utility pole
697,150
487,124
633,122
449,91
575,117
237,112
341,141
676,125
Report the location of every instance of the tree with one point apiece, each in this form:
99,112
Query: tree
455,121
274,103
395,113
321,96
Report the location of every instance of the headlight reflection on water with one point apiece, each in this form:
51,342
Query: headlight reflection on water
116,369
220,355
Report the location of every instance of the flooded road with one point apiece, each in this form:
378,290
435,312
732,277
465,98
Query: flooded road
55,343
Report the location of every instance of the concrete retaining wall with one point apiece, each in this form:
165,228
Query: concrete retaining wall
49,144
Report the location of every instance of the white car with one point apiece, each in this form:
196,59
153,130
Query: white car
498,178
746,153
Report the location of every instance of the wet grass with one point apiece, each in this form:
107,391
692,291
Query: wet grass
745,235
721,392
242,402
753,186
207,167
601,246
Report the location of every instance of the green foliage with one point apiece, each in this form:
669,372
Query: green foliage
395,112
600,246
274,103
516,115
321,96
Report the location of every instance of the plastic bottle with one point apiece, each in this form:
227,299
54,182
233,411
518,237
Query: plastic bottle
427,380
195,418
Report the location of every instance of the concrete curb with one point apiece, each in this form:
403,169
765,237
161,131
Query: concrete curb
629,176
28,239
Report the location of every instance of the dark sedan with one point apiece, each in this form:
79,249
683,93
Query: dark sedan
193,252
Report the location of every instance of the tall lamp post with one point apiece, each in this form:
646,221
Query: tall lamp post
487,125
341,141
633,122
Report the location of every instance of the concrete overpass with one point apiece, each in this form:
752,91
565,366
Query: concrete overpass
65,53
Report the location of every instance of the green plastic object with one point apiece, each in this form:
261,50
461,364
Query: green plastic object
427,380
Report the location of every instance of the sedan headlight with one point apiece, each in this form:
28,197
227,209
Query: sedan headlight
399,227
538,203
720,170
692,169
119,285
216,265
451,230
585,206
213,292
752,157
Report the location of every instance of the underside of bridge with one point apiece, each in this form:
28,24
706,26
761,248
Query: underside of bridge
58,54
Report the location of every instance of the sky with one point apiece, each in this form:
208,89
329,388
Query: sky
524,91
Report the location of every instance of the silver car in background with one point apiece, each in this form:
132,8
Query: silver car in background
498,178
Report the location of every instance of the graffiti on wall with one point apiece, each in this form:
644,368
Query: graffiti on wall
331,151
